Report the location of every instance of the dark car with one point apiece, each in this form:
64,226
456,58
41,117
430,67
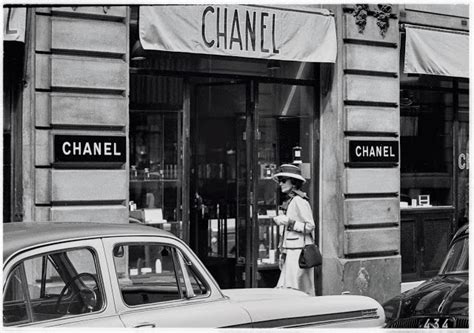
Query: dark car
440,302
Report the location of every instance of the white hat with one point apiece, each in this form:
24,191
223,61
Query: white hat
290,171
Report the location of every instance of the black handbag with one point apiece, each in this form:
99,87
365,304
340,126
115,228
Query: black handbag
310,255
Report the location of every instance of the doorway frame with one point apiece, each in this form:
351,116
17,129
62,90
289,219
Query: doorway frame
252,82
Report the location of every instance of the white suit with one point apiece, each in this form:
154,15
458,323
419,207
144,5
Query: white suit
292,276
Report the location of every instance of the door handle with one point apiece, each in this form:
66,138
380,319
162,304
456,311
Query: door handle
144,325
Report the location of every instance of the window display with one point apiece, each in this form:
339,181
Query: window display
285,115
155,156
426,130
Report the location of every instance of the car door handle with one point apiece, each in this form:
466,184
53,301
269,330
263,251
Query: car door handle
142,325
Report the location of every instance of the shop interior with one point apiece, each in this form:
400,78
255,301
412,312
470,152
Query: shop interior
434,126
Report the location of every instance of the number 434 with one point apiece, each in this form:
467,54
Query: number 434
435,323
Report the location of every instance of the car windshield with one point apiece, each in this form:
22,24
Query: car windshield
457,259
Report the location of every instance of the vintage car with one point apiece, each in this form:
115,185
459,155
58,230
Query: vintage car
130,275
440,302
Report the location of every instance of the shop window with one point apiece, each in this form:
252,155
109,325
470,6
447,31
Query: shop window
285,118
426,140
155,151
434,124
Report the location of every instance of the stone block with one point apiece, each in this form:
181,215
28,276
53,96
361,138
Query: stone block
371,58
89,185
42,71
43,33
372,119
363,88
87,35
89,110
42,186
364,241
359,212
372,180
42,109
43,147
379,278
104,213
88,73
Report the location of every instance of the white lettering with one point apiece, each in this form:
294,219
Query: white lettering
116,153
97,148
379,150
372,152
76,148
358,149
391,153
66,152
385,151
365,151
107,148
87,149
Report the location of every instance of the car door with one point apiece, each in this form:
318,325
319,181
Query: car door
65,284
161,283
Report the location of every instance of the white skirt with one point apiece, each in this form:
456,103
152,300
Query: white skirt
292,276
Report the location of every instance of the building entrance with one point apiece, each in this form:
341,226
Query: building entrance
241,130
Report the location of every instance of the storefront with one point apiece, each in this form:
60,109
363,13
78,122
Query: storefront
434,126
208,128
177,116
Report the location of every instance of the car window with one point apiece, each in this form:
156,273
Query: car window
197,282
153,273
56,284
457,259
148,273
14,299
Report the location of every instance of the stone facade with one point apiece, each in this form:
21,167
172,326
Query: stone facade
78,85
360,218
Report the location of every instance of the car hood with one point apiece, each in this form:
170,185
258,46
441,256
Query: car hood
266,304
442,295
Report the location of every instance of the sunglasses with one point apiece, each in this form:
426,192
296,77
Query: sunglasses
282,180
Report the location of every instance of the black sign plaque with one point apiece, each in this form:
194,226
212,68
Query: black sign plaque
89,149
373,151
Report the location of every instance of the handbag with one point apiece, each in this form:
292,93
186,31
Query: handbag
310,255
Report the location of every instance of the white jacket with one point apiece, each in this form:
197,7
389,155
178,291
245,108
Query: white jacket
299,210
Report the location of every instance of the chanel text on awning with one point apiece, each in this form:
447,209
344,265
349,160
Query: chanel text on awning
232,30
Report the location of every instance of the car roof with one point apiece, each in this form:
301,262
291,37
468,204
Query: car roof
18,236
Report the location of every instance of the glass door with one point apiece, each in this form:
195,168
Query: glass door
284,119
221,154
241,131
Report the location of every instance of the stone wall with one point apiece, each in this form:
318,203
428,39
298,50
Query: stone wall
360,215
78,85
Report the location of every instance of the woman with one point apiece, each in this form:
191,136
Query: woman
297,217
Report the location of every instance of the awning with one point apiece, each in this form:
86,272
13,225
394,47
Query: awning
240,31
436,52
14,24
